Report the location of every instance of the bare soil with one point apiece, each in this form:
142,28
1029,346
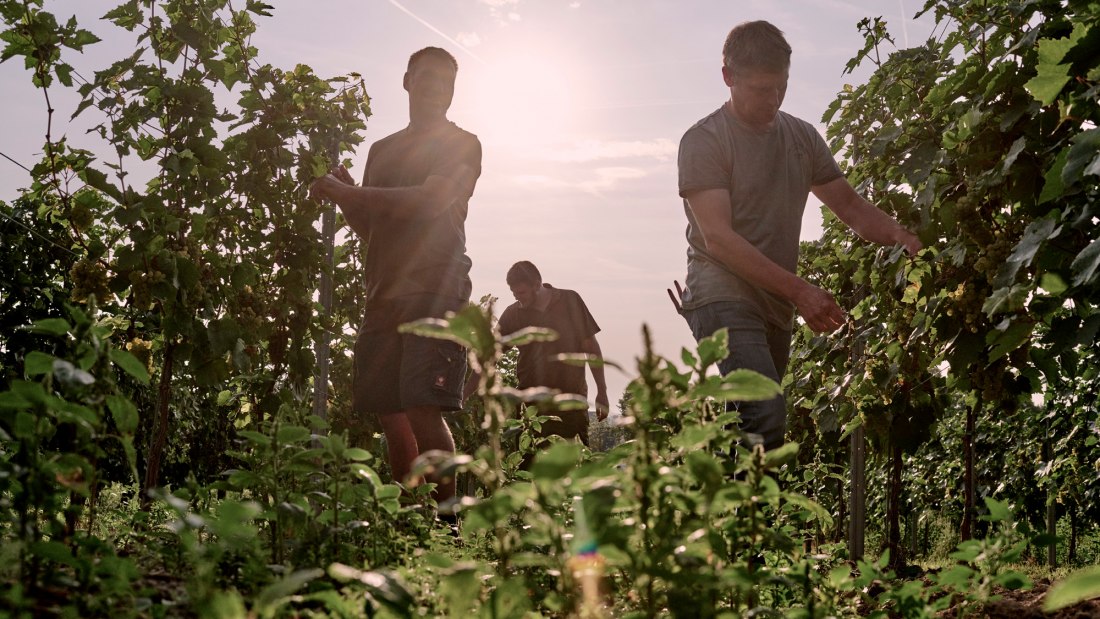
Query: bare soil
1029,605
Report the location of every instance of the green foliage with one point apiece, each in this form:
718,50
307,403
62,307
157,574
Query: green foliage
56,425
1079,586
178,248
961,589
319,499
982,140
169,292
676,490
189,260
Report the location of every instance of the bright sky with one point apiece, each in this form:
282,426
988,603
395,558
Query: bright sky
579,105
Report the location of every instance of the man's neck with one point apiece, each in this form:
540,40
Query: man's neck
420,121
542,298
732,109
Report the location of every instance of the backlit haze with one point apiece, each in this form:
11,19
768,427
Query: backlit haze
579,105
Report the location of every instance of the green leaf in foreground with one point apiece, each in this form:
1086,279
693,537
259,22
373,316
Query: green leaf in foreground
37,363
739,384
1077,587
1086,264
556,462
130,365
52,326
383,587
277,593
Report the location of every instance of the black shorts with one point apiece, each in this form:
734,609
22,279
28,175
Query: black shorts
395,371
573,424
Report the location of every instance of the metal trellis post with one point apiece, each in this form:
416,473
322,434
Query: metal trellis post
858,499
321,344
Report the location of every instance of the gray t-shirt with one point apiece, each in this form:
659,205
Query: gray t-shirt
566,315
419,256
768,175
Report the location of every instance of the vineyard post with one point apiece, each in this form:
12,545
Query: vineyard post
858,499
321,344
967,528
912,523
857,464
1052,513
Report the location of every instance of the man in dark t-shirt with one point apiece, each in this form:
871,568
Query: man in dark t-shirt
411,213
564,312
745,172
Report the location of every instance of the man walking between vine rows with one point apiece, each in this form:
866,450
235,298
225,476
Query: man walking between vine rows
410,211
564,312
745,172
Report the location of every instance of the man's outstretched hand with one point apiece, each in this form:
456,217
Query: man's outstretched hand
910,241
322,187
602,407
341,174
819,309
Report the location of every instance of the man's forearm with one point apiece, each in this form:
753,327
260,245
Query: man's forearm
876,226
591,347
865,219
598,376
817,306
361,202
750,264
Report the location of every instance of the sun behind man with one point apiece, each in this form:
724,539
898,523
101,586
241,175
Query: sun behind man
563,311
745,173
411,213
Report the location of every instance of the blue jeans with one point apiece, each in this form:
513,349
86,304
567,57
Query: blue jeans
755,344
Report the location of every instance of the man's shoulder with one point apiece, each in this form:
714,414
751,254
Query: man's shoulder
462,133
396,136
448,131
461,143
512,319
708,123
566,297
454,136
511,314
795,123
565,293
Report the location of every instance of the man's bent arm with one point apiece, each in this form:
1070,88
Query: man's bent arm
711,209
425,201
864,218
592,347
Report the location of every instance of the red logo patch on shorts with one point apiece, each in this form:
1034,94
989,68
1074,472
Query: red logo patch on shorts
440,380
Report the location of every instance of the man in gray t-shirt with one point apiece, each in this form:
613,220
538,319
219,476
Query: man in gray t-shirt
746,171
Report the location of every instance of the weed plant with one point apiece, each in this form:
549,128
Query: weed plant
689,517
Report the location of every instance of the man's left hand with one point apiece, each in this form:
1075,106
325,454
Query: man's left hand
341,174
910,241
601,406
320,187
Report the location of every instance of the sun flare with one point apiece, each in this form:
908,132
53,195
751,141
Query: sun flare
523,100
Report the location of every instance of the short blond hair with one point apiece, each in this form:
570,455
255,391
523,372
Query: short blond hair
431,51
523,272
756,45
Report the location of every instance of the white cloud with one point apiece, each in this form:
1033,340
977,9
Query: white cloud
608,178
661,149
539,180
502,11
468,39
574,5
601,180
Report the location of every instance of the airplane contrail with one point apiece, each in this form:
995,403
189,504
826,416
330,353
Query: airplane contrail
904,27
437,31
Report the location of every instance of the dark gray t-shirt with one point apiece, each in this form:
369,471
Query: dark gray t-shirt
419,256
768,175
566,315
